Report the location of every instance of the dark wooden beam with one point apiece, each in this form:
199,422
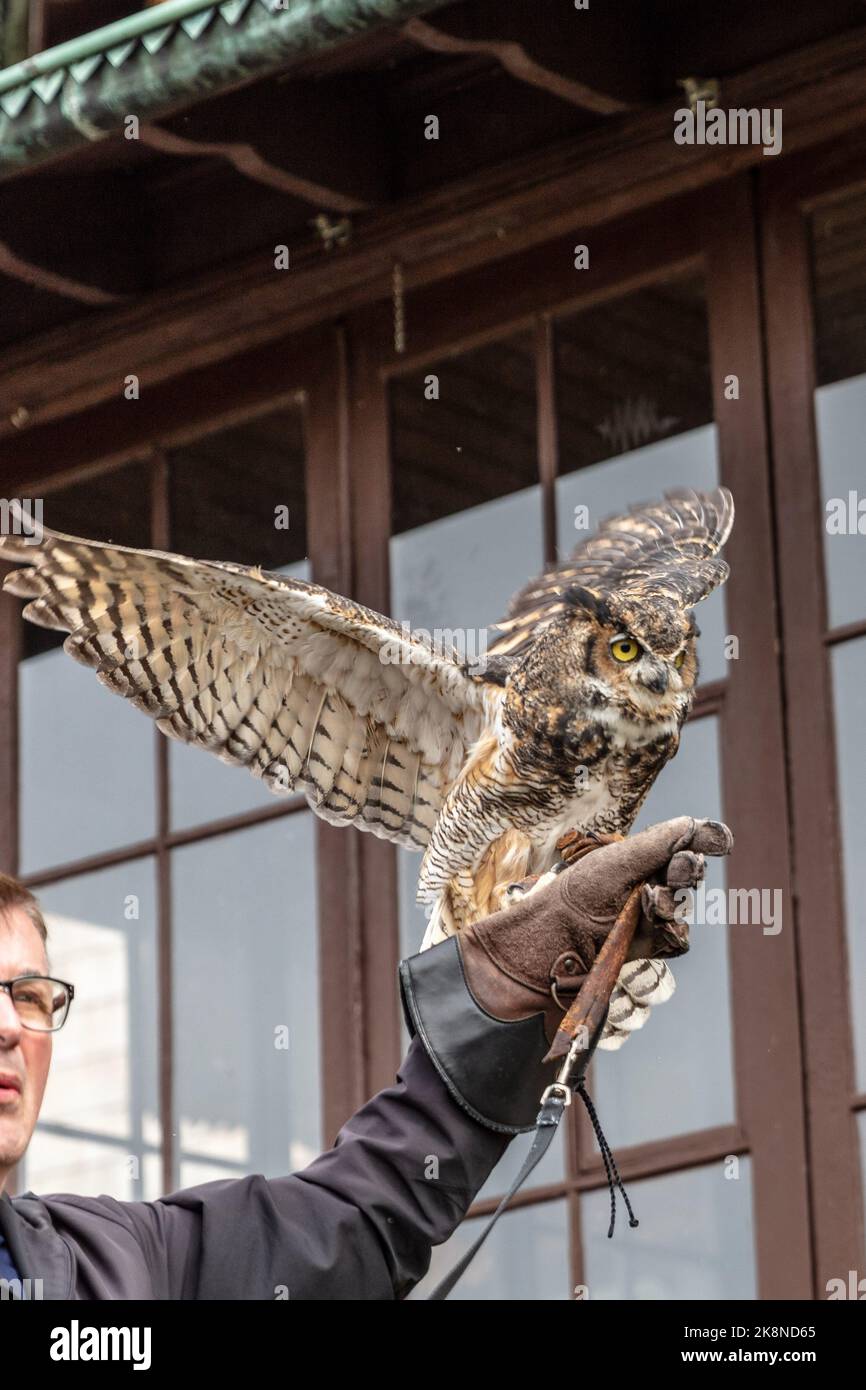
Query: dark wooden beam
716,40
467,314
484,118
320,142
599,59
56,237
43,278
175,413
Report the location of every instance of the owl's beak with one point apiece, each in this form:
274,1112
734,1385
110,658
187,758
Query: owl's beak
653,675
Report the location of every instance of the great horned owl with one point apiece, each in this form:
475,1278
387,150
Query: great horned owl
579,705
597,663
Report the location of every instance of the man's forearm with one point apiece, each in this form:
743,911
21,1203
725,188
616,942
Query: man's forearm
411,1160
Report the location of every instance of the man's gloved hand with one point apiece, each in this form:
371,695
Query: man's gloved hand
485,1002
552,936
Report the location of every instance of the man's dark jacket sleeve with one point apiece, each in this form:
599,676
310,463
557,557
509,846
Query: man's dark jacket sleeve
358,1223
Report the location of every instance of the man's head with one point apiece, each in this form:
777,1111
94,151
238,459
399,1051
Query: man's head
25,1055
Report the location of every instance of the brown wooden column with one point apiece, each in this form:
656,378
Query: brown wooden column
767,1053
370,500
338,849
834,1172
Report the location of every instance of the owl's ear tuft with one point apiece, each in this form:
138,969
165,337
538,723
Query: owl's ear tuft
576,596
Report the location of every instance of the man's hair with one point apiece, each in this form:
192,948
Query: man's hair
14,894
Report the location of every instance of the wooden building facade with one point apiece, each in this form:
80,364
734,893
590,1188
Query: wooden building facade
435,283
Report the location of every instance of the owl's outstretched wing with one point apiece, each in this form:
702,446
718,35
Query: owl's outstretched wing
666,549
302,687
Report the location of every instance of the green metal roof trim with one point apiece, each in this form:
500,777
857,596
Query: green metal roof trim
165,55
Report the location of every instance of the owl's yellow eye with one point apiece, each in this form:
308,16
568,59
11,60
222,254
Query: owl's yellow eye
624,649
679,659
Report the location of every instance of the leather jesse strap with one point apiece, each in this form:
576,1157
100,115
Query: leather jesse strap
549,1116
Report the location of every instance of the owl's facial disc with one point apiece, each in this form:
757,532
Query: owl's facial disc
646,669
655,681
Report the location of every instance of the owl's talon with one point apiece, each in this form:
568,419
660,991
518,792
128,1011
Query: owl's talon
514,891
574,844
567,839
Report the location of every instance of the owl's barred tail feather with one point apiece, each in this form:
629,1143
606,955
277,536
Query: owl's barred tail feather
641,985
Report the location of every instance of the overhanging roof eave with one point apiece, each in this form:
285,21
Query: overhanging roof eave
156,59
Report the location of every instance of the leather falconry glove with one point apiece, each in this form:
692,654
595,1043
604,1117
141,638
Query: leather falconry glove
488,1001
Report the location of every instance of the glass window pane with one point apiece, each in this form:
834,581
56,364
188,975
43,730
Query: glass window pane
237,494
848,665
86,756
64,1162
694,1240
838,245
112,506
99,1128
525,1259
653,1086
466,512
840,418
87,765
463,432
460,572
466,508
634,412
551,1169
413,920
246,1002
633,370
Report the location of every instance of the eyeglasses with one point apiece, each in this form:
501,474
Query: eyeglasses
42,1004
